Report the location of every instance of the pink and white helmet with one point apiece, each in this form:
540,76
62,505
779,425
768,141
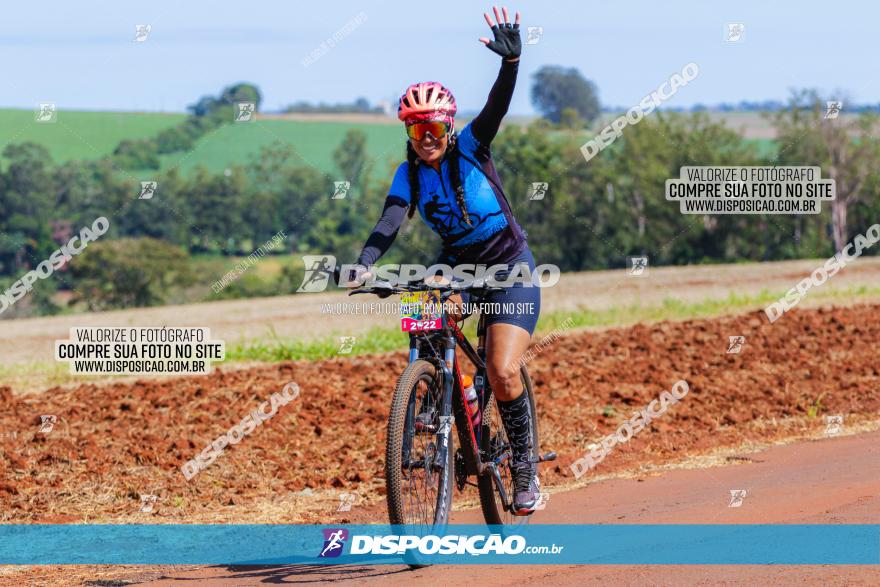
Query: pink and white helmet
426,101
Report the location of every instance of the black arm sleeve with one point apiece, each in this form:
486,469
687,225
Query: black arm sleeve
385,231
485,126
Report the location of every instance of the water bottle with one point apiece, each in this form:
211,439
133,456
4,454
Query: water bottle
472,399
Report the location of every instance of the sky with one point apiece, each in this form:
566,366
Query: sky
82,55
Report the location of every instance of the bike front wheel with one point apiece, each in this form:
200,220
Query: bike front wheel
419,486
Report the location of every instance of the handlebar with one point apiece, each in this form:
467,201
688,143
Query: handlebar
385,289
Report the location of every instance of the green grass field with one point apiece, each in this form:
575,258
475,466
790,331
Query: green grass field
91,135
81,135
314,143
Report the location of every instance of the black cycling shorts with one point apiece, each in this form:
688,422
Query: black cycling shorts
517,304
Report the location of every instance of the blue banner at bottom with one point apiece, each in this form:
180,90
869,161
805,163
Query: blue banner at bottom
623,544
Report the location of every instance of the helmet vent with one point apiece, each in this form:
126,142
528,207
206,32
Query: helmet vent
426,101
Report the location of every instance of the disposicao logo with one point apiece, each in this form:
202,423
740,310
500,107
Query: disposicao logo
334,541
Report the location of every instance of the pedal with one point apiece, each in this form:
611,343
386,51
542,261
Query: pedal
550,456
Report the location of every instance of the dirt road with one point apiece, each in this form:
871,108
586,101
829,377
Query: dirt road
111,444
830,481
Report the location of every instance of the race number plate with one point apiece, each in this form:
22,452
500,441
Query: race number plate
420,311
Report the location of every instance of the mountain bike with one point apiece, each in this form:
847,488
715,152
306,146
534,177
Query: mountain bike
421,463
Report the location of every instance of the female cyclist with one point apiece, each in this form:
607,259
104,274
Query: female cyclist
451,179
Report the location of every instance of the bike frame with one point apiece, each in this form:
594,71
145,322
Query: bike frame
453,402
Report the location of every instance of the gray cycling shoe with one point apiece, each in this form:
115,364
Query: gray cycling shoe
527,491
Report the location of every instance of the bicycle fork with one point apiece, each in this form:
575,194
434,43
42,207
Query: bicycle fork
445,429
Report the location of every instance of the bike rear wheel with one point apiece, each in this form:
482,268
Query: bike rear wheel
494,447
419,488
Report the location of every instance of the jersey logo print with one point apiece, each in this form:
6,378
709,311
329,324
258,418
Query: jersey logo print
445,220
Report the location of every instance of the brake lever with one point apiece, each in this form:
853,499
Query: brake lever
382,292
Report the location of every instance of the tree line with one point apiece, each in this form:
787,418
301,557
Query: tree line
592,216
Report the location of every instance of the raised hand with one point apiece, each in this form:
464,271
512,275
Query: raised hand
507,42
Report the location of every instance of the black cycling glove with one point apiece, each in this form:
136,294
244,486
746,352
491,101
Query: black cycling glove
507,41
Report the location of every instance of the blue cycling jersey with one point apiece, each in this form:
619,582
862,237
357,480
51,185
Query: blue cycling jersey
493,236
437,203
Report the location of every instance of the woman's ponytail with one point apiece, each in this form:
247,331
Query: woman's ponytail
454,157
413,163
